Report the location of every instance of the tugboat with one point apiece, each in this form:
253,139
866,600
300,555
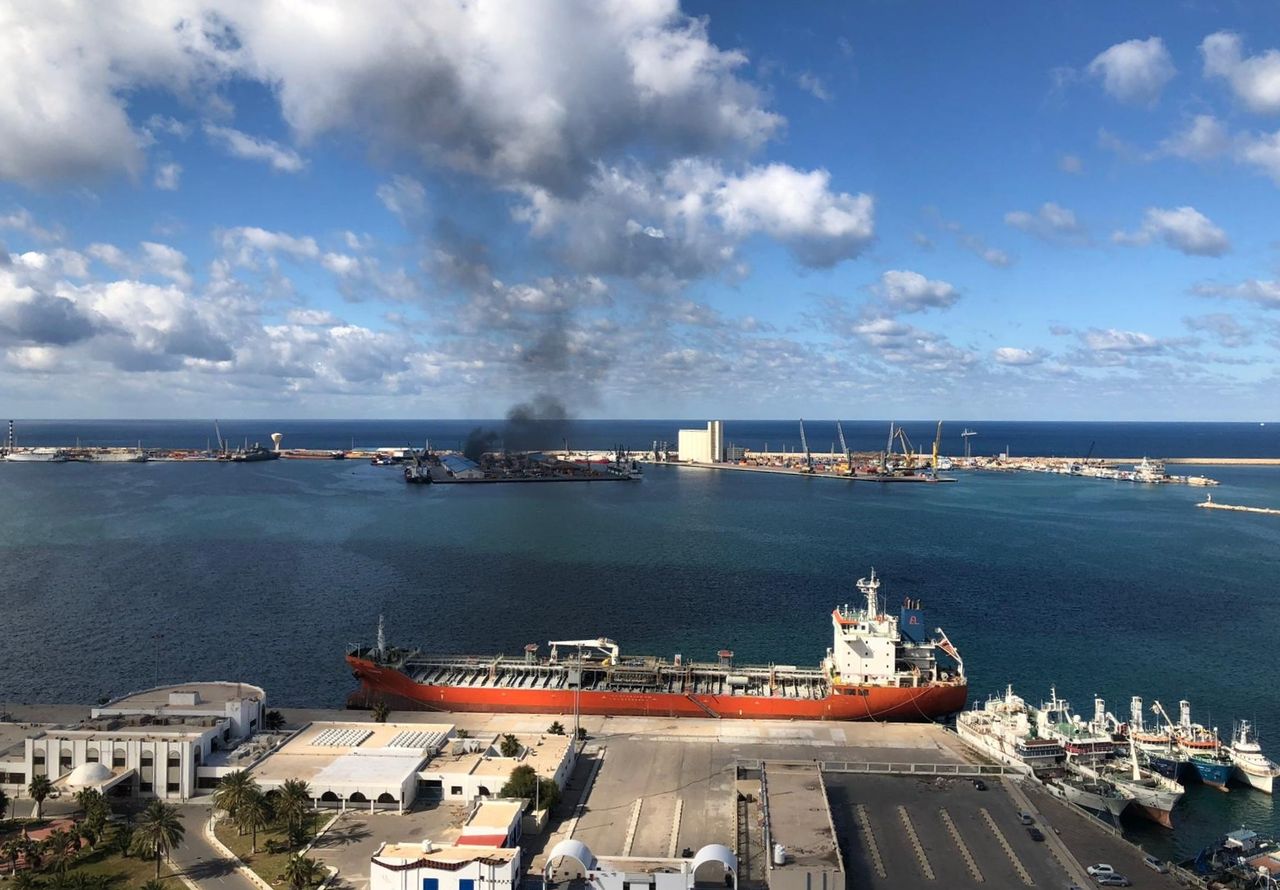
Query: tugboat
1251,766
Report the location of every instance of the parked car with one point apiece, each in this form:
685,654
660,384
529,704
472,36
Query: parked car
1100,868
979,784
1112,879
1035,833
1155,864
1025,819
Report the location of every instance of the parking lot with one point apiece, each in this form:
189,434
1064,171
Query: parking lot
901,831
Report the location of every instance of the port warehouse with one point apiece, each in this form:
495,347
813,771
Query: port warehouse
176,742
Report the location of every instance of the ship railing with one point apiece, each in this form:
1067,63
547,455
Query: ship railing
894,768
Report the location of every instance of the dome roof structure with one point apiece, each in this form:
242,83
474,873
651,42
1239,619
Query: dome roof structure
87,775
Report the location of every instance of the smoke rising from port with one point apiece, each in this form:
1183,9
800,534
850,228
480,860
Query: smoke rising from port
543,422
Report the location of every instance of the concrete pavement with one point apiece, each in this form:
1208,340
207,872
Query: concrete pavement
198,859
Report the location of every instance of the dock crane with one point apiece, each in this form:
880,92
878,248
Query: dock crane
804,443
908,456
844,449
937,443
967,435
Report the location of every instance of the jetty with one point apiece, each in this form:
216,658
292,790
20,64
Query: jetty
1209,504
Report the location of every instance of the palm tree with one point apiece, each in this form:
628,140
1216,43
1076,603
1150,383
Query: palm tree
153,885
273,721
61,847
159,832
254,813
25,881
510,746
122,839
293,803
39,789
4,804
556,728
233,790
10,851
301,872
381,711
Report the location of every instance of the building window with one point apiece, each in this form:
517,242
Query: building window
384,797
174,758
483,791
174,787
456,790
117,757
329,797
357,797
91,756
144,787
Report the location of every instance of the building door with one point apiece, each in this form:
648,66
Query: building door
466,884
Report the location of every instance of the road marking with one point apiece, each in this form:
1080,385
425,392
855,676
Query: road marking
1070,864
675,829
963,847
915,843
1008,850
631,828
869,841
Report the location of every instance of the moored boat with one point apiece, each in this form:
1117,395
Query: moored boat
882,667
1251,766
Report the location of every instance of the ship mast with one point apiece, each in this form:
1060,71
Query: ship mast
382,640
870,588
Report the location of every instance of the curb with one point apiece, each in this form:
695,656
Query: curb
249,874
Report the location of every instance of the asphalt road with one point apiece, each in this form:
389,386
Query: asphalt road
199,860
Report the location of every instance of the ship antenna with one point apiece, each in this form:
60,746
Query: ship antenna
382,640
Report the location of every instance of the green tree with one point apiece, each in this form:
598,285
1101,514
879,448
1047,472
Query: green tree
254,814
96,813
524,782
301,872
153,885
25,881
582,734
39,789
159,832
463,734
273,721
11,851
122,840
59,848
380,711
233,790
556,728
4,804
510,746
292,806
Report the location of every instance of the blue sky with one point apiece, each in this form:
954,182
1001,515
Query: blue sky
1058,211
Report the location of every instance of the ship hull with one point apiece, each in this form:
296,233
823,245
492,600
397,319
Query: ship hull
1169,767
1214,773
923,703
1259,781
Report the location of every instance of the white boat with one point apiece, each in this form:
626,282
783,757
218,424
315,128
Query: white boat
1154,795
1251,765
117,457
1149,471
1003,729
1094,794
37,456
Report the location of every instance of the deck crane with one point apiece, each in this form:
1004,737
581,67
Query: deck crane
804,443
601,645
937,443
844,449
1157,708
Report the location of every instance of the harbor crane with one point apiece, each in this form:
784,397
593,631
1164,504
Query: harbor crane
908,456
937,443
804,443
967,435
844,449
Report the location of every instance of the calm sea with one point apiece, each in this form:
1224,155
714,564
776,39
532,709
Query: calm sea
116,576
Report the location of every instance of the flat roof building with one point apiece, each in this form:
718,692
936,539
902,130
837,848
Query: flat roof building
702,446
804,853
427,866
715,865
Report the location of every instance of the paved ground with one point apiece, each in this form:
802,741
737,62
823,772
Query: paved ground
199,860
356,836
880,852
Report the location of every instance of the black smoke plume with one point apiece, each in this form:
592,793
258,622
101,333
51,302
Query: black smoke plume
479,440
540,423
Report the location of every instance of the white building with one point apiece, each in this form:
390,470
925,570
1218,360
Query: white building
471,768
426,866
702,446
715,865
156,743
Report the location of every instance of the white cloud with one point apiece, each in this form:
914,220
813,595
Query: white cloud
973,242
168,262
798,208
108,254
1051,222
1017,356
404,196
1263,292
245,244
253,148
1135,71
1255,80
813,85
912,292
21,220
1228,332
167,177
1113,340
1071,164
1204,138
1261,150
1184,229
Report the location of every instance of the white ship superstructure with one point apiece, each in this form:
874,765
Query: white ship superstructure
1004,729
1251,765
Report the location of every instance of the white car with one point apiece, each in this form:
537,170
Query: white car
1100,869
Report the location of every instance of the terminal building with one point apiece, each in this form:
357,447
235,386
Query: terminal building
169,742
702,446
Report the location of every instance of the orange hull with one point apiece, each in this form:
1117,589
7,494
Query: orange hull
845,703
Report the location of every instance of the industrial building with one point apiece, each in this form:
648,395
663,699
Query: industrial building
169,742
715,865
702,446
799,834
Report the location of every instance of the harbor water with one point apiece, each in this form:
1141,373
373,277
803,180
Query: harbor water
119,575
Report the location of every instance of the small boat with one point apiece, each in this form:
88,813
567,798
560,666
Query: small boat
1251,766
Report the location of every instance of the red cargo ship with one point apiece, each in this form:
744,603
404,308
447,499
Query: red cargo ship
882,667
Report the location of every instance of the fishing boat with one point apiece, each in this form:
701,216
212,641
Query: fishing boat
1251,766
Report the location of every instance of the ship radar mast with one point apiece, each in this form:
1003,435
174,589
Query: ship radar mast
870,588
382,639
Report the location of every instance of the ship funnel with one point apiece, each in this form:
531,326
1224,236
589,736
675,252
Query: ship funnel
1135,713
1184,713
